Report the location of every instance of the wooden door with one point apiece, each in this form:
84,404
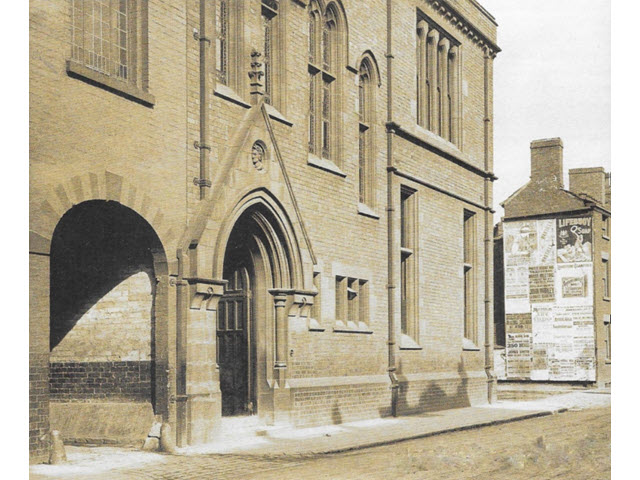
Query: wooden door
233,340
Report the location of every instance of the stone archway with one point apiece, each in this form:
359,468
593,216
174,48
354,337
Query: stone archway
106,314
257,266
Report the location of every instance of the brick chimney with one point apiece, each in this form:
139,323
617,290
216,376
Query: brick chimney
546,161
590,181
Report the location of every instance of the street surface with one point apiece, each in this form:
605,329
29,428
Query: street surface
569,446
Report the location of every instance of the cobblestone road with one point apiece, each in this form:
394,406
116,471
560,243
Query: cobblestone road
576,445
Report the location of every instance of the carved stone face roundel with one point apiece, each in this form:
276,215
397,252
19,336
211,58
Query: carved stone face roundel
258,156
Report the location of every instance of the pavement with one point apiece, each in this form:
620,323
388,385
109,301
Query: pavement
246,442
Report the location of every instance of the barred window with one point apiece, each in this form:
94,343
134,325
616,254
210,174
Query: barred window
101,36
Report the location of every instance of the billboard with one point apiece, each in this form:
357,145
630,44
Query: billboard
548,287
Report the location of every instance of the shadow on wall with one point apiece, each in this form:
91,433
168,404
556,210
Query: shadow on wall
414,398
95,247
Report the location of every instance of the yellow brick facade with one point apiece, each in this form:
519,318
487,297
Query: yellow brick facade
101,151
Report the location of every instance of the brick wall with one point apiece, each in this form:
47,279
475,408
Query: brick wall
38,353
80,131
100,381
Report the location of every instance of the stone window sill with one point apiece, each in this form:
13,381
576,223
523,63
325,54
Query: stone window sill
408,343
351,327
229,94
275,114
469,346
364,210
326,165
606,299
113,85
606,237
314,326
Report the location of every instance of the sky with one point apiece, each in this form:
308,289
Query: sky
552,79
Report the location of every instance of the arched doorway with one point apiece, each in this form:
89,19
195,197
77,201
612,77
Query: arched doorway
257,260
106,263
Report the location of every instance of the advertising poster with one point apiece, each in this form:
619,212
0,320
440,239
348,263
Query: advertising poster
520,242
545,253
574,287
519,358
574,239
574,284
549,299
541,284
516,289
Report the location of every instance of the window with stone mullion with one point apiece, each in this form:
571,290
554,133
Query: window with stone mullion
269,12
322,58
222,45
100,36
364,133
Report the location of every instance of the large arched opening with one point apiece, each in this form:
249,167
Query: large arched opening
106,309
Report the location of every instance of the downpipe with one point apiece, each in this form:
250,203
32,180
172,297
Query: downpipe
391,234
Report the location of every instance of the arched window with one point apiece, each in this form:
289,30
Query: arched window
366,117
327,46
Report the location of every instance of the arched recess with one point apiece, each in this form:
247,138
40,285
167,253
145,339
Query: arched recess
258,256
260,203
368,79
108,324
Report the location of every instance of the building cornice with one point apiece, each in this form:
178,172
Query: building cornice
439,146
465,26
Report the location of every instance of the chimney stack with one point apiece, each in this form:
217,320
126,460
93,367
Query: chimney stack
589,181
546,161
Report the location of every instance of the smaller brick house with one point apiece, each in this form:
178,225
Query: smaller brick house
552,273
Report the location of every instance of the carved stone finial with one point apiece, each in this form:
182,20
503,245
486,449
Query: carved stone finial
255,77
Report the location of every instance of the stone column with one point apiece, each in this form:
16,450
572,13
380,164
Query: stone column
432,72
423,75
443,84
454,92
282,301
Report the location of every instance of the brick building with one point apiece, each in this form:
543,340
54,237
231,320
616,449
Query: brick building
279,208
553,273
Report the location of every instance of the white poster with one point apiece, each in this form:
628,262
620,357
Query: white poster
549,299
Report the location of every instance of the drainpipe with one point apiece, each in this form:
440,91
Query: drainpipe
204,182
391,233
488,235
181,353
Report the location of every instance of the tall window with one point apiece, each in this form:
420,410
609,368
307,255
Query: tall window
222,41
408,241
230,61
470,260
607,338
438,81
325,57
102,36
606,278
366,115
269,13
606,226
